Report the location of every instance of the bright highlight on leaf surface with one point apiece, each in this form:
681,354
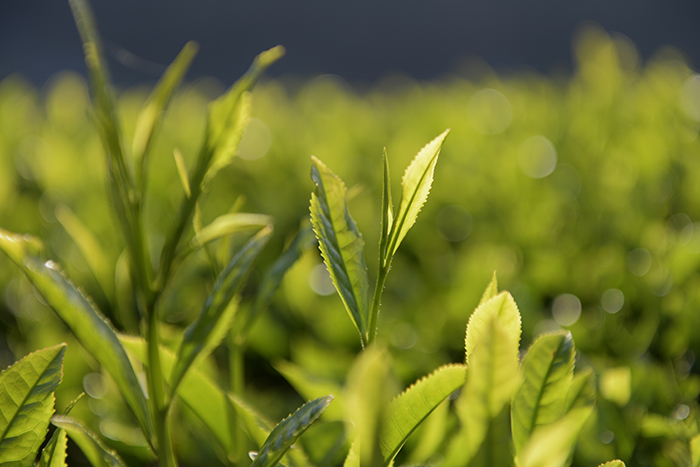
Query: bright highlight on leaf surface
27,403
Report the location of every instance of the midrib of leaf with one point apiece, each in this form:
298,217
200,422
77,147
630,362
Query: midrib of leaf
27,395
541,391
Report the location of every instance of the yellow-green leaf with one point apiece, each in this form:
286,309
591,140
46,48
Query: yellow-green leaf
616,463
548,369
415,184
27,403
491,290
94,449
505,309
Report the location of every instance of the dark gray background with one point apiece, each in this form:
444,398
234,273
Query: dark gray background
360,40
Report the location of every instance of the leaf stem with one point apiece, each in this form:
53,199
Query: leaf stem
376,300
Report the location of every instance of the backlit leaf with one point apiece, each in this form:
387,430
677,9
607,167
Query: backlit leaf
341,244
94,449
502,306
230,132
415,184
387,214
288,431
27,403
227,224
409,409
228,284
54,454
617,463
91,328
695,451
582,392
548,369
151,114
491,290
482,407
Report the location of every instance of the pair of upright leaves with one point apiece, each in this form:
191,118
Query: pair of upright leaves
341,242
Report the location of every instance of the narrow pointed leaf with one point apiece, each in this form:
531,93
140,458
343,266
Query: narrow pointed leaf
273,278
415,184
89,247
491,290
617,463
548,369
387,214
227,286
91,328
182,172
482,405
227,224
288,431
230,134
502,306
408,410
27,403
94,449
341,244
151,114
310,387
54,454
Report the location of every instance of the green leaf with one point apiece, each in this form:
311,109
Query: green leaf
272,280
353,457
415,184
491,290
91,328
229,133
288,431
341,244
550,445
582,392
26,404
182,172
408,410
54,454
94,449
310,387
548,369
695,451
431,435
89,247
502,306
617,463
482,406
369,391
227,224
616,385
387,214
227,286
152,112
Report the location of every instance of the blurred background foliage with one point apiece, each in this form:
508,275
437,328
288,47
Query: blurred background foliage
582,191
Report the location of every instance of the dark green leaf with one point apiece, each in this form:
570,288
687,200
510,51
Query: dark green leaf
288,431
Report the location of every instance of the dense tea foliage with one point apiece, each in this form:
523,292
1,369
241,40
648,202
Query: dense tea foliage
581,191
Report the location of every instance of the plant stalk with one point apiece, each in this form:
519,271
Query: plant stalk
377,299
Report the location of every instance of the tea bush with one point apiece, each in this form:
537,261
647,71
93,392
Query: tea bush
580,191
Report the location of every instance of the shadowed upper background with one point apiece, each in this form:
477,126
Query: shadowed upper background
361,40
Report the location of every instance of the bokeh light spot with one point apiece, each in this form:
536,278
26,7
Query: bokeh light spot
454,223
612,300
566,309
537,157
489,112
256,140
639,261
320,281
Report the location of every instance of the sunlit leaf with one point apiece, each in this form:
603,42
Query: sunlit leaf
617,463
431,434
27,403
502,306
695,451
94,449
54,454
491,290
387,214
182,172
341,244
227,286
415,184
548,369
288,431
582,391
151,114
409,409
482,407
227,224
229,134
310,387
91,328
353,457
